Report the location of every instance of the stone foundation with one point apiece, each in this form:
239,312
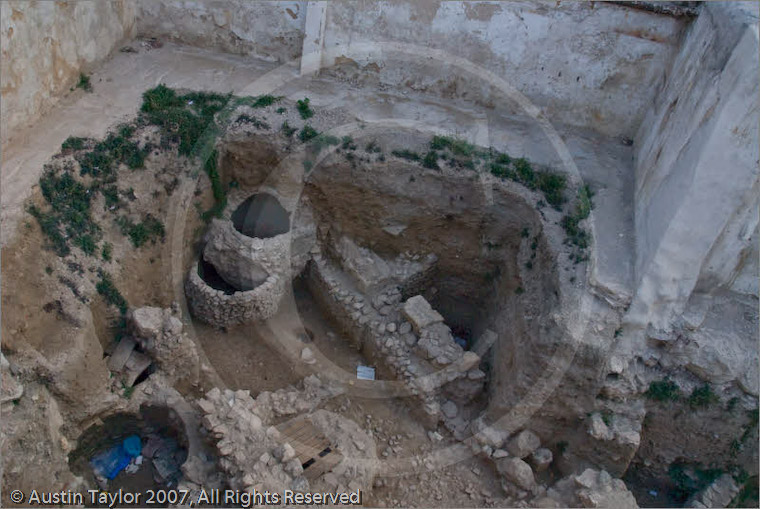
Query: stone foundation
376,327
217,308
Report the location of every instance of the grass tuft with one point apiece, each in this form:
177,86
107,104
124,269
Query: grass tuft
110,293
303,108
84,82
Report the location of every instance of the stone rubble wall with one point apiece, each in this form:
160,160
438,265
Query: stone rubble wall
159,333
216,308
376,327
255,455
245,262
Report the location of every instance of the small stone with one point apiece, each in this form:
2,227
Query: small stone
517,471
391,327
449,409
307,356
598,428
434,436
541,458
523,444
405,327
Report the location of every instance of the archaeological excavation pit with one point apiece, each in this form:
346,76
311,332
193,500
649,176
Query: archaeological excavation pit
154,464
443,253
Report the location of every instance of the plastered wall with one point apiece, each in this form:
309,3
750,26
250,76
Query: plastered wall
45,45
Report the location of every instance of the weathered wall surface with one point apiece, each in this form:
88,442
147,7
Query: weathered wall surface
45,45
696,191
268,30
596,66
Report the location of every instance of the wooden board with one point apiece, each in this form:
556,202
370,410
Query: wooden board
317,455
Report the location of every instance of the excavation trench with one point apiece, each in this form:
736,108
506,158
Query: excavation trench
459,242
162,449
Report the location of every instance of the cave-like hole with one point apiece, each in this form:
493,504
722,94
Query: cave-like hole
261,216
208,273
154,463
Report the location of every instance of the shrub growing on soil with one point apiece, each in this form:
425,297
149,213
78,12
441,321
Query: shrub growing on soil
110,293
303,108
663,390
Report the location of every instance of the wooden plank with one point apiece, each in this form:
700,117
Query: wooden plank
308,442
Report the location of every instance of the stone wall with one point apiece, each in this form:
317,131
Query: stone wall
593,65
376,326
696,195
267,30
223,310
45,45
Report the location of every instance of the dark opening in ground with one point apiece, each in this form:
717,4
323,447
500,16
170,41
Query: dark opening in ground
163,450
261,216
208,273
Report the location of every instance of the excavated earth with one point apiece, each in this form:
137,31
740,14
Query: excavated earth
237,359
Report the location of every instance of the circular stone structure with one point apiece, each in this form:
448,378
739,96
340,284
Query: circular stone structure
221,309
240,279
261,216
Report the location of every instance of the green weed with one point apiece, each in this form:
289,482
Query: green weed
106,288
73,143
663,390
84,82
303,108
702,397
107,252
149,229
431,160
287,130
406,154
256,122
307,133
347,143
323,141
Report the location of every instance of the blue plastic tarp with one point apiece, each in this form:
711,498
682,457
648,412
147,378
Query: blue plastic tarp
112,461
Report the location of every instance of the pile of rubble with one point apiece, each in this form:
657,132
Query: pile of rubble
592,488
520,458
254,454
159,333
246,447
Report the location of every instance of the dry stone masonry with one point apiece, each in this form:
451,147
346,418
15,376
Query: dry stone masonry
419,351
254,454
